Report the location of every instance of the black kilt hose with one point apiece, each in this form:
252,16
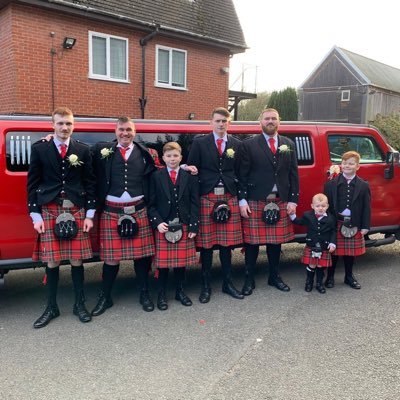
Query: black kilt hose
354,246
48,247
324,261
256,231
113,247
223,234
173,255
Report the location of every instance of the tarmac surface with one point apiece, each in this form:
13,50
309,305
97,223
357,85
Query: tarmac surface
271,345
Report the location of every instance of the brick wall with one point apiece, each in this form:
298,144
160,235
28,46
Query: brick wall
32,90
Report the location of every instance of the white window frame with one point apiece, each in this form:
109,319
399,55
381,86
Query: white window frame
169,85
107,76
345,95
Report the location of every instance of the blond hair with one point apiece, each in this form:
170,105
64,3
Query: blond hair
172,146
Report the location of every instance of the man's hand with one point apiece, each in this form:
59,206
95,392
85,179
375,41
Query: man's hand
163,227
245,211
364,231
192,169
48,137
39,226
87,224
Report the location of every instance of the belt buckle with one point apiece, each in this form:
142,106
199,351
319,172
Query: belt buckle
129,210
271,196
67,203
219,191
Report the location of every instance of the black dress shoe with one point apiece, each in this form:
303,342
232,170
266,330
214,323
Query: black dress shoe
102,304
279,284
145,301
181,296
308,287
330,282
249,286
81,312
205,295
320,287
228,288
162,303
50,313
352,282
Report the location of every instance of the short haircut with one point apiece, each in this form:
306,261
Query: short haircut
172,146
268,110
351,154
63,111
222,111
123,120
319,197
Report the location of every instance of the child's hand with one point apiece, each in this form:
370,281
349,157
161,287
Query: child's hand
364,231
192,235
331,247
163,227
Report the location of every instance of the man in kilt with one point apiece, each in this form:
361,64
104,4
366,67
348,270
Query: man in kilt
214,155
269,191
174,213
349,199
61,201
320,241
123,168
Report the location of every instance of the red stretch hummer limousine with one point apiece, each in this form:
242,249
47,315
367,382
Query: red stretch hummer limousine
318,147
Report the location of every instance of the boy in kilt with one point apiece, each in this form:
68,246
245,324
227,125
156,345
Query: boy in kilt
61,202
349,199
123,168
320,240
268,194
174,213
214,155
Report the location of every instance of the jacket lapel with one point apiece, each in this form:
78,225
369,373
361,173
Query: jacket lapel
212,148
183,180
109,161
165,179
54,155
265,148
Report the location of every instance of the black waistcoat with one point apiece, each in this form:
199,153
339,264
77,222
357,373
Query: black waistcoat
127,176
174,190
345,194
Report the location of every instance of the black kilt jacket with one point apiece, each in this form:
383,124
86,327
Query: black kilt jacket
102,168
259,170
322,231
49,174
213,168
160,207
361,202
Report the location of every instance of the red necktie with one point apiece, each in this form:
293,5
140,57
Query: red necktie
219,145
63,150
172,174
123,151
271,142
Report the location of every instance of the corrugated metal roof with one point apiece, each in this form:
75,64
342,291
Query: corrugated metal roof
205,19
378,74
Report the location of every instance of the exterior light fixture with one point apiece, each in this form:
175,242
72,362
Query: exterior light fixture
191,115
68,43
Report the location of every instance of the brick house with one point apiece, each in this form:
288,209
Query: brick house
165,59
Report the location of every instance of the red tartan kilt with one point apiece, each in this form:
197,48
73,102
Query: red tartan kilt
50,248
354,246
113,247
172,255
222,234
324,261
256,231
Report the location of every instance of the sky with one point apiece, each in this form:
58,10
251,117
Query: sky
287,39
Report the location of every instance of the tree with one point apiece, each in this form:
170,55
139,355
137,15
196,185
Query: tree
249,110
285,101
389,126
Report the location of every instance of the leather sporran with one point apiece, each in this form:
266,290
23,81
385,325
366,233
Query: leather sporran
347,230
65,227
271,214
127,227
175,231
221,212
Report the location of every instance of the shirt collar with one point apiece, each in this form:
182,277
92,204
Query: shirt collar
170,169
224,138
267,137
58,143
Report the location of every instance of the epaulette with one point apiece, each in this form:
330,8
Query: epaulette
40,141
198,136
78,141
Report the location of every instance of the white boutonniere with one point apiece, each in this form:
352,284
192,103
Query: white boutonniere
106,152
284,148
230,153
74,160
334,170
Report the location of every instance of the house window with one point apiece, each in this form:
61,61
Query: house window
108,57
170,67
345,95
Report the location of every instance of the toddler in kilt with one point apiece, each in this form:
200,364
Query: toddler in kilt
174,213
320,240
